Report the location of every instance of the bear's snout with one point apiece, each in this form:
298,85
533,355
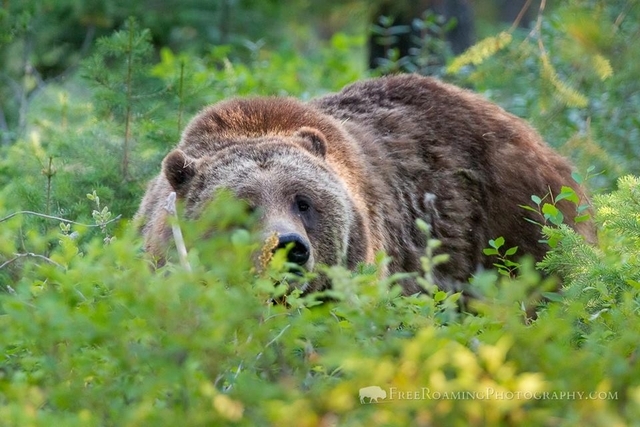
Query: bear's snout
299,252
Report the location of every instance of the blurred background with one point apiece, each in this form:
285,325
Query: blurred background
94,93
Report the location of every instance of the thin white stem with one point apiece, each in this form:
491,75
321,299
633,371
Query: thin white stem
170,207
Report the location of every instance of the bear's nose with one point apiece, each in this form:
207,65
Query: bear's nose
299,252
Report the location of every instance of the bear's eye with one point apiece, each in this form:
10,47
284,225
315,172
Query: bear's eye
302,204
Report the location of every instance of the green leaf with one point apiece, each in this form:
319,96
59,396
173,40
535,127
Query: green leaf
582,218
533,222
634,283
537,200
511,251
553,296
503,271
582,208
553,242
440,259
577,177
569,194
490,251
434,243
240,237
528,208
439,296
422,225
455,297
552,213
497,243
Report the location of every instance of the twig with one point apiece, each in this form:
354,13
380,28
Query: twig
228,388
29,254
520,15
68,221
538,29
273,340
170,207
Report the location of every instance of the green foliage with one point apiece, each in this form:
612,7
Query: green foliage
505,266
136,111
429,53
85,142
90,334
606,275
572,76
119,73
546,207
96,337
479,52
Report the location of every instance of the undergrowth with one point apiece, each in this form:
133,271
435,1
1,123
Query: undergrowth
92,334
97,337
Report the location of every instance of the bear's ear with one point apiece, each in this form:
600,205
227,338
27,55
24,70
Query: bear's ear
179,170
313,140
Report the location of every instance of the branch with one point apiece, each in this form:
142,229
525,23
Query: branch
520,15
68,221
272,341
170,207
538,27
30,254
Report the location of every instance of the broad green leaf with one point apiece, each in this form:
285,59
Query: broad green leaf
455,297
497,243
577,177
511,251
553,214
439,296
569,194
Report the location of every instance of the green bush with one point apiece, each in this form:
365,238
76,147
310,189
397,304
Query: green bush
94,336
91,334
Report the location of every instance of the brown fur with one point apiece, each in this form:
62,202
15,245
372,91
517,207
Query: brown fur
371,160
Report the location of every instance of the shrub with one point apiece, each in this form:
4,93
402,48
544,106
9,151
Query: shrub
94,336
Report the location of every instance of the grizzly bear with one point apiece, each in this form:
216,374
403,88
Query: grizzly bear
347,175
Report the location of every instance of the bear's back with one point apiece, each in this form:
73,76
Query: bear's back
474,162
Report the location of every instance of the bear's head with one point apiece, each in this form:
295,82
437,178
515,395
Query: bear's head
288,180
